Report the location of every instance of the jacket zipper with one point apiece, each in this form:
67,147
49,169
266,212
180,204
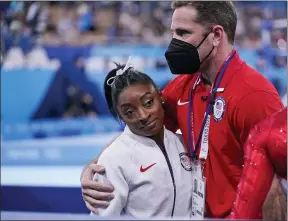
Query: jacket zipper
172,176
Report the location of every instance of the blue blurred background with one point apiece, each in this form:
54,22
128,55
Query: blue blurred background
54,58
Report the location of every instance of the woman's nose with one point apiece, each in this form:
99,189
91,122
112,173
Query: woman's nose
143,116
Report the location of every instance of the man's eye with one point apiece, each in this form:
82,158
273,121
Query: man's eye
182,32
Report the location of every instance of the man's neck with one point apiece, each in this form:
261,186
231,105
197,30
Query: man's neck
209,75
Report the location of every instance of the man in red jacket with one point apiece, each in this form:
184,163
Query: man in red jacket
215,101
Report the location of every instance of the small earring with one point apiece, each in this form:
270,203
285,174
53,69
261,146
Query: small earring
162,102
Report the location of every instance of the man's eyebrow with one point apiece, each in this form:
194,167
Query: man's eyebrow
183,30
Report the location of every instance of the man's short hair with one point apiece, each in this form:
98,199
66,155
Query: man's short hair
211,13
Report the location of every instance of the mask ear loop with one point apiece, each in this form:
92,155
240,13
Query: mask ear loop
202,42
204,38
207,55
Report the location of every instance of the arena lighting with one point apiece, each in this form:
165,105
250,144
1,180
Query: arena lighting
282,44
280,23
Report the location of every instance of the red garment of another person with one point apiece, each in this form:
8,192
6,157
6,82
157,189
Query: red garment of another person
265,153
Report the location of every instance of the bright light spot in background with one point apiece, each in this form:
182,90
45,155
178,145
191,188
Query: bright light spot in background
282,44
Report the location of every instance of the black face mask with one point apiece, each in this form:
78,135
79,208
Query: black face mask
183,58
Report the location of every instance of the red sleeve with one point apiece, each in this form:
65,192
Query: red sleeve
252,109
170,105
256,179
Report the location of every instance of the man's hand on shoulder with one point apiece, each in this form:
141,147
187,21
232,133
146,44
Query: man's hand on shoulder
95,194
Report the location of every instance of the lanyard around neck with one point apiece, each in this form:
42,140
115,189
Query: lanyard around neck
208,108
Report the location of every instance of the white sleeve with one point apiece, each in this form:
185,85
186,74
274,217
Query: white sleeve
117,176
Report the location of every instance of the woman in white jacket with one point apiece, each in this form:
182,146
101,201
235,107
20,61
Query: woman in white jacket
147,164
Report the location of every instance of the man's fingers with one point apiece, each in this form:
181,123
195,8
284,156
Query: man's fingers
88,174
95,203
101,187
96,168
91,208
97,195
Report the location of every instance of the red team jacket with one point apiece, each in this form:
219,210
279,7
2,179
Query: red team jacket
247,99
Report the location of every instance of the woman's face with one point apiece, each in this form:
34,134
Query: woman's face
140,107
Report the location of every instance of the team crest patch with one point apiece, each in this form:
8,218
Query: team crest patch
219,108
185,161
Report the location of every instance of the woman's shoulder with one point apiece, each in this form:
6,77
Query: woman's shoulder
118,149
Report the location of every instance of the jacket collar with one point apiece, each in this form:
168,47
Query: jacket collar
143,140
233,66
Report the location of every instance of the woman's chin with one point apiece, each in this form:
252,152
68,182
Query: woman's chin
154,132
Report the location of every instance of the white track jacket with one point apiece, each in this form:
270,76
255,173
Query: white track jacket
148,182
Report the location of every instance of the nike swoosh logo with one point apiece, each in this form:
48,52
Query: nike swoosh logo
182,103
146,168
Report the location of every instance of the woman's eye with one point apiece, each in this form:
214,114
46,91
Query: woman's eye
149,103
129,113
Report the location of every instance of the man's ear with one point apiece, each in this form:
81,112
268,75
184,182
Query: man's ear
218,35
